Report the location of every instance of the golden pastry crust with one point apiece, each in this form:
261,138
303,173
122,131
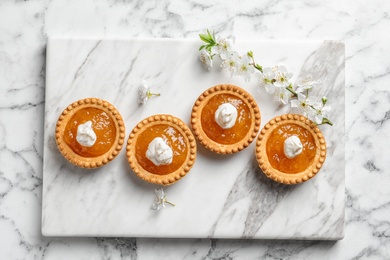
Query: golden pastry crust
179,126
200,104
90,162
288,178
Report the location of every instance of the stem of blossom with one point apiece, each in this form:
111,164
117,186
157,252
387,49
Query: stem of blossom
289,88
256,66
150,94
170,203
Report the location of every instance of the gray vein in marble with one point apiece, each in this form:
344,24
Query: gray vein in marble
78,71
201,6
8,186
378,76
385,118
369,165
24,106
132,62
22,239
361,50
127,247
378,123
324,65
28,180
262,191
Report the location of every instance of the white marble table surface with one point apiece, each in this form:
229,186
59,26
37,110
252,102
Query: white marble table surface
24,27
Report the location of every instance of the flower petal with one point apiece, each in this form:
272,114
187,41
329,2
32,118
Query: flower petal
318,119
295,103
301,97
282,69
143,93
312,100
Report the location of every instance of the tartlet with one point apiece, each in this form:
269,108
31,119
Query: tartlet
107,123
176,134
272,159
212,135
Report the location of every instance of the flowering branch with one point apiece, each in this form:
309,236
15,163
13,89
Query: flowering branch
275,80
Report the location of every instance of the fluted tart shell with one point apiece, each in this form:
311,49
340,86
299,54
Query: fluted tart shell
141,129
95,161
283,177
200,130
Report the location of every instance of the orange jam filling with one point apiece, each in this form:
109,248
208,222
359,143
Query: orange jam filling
172,137
275,149
217,133
102,125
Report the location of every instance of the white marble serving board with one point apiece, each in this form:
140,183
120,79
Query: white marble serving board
222,196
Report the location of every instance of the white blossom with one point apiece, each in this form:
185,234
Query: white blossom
282,77
282,95
303,103
144,93
206,59
318,112
245,67
266,79
231,63
224,46
305,83
160,199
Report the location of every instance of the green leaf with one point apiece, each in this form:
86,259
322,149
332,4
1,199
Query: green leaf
211,37
326,121
258,67
205,38
250,54
201,47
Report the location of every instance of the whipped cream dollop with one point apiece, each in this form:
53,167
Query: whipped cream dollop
226,115
292,147
159,152
85,134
